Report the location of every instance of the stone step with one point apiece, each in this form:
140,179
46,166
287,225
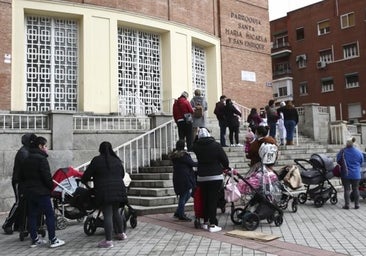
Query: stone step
152,183
152,176
143,191
156,169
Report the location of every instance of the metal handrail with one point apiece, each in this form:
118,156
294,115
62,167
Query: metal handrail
106,123
24,121
140,151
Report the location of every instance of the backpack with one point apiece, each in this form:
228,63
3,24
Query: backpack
198,110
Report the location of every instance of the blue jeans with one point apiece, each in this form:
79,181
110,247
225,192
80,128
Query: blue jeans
38,205
272,129
222,134
290,127
183,198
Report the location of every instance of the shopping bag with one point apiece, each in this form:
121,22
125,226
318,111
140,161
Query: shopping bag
232,193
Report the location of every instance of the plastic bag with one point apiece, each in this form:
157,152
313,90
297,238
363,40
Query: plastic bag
231,192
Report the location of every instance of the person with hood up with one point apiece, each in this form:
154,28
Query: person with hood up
351,172
181,107
184,180
17,210
212,161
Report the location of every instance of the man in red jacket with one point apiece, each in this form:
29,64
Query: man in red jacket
182,106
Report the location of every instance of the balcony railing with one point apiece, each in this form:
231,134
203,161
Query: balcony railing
24,121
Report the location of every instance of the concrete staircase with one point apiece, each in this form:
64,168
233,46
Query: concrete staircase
151,190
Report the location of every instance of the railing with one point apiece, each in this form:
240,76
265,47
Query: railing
107,123
149,146
24,121
244,113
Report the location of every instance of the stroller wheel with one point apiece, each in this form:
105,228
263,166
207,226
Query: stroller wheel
319,201
302,198
90,226
250,221
334,199
278,220
237,216
270,219
133,221
294,205
61,222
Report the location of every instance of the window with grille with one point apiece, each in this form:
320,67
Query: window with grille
327,85
51,63
199,69
350,51
351,80
139,74
301,61
303,86
323,27
280,40
348,20
282,91
326,56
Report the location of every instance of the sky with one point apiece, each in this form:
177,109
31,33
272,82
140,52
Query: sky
279,8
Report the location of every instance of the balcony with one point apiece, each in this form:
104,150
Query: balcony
280,50
280,73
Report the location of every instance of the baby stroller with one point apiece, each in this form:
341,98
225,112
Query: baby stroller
315,174
128,214
69,200
290,179
264,193
262,185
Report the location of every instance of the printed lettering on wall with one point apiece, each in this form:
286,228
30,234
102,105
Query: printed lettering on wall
246,33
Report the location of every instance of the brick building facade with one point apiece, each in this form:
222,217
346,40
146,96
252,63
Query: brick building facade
318,56
232,36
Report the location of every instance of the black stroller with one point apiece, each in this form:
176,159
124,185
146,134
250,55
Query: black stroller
262,204
315,174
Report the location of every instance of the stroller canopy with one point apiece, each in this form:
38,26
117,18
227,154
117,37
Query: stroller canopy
64,179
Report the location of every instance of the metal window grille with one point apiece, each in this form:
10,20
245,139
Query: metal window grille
51,64
199,69
139,75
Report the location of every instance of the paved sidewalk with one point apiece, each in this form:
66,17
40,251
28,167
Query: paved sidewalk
325,231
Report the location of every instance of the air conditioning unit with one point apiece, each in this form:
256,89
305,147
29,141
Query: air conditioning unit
321,64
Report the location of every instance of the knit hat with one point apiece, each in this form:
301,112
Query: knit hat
185,94
350,141
203,132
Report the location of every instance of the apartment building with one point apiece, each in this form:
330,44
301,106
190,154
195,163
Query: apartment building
318,56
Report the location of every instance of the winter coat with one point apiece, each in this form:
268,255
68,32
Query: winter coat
290,113
354,160
181,106
22,154
212,159
184,178
253,154
108,182
35,174
220,114
254,120
232,115
199,121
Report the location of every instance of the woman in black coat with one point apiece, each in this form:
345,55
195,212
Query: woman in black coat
232,119
184,180
106,171
212,160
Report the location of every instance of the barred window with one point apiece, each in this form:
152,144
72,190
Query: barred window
51,63
327,85
350,51
326,56
323,27
199,69
352,80
303,87
139,75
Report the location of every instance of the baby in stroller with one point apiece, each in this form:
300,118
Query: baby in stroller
261,185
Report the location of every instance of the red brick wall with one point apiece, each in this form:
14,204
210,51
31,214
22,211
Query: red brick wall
5,48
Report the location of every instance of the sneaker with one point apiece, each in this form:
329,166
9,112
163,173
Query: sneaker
37,242
346,207
185,218
105,244
121,236
214,228
204,226
239,145
357,207
232,145
56,243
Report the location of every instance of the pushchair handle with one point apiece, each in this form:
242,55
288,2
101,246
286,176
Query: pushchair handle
230,171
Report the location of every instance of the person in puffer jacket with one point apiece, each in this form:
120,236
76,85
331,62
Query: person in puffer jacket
212,160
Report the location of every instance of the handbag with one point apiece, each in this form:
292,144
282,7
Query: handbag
341,166
188,118
231,191
337,171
